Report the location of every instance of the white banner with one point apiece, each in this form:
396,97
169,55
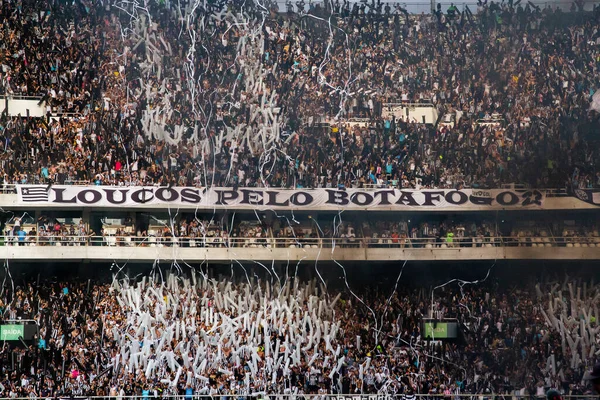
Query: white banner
265,198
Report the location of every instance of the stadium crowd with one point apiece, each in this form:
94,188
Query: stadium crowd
142,97
236,93
182,337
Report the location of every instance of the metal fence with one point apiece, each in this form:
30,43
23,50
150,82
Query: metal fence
260,396
426,243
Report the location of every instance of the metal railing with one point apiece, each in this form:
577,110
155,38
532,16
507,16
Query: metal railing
424,243
18,96
64,114
426,103
327,396
8,189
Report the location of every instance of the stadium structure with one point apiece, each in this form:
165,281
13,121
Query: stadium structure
315,224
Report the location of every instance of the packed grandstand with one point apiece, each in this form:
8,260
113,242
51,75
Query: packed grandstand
241,94
165,335
234,93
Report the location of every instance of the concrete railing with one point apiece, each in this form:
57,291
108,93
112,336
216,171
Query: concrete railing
448,243
148,249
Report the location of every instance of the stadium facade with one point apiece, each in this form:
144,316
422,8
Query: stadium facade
142,224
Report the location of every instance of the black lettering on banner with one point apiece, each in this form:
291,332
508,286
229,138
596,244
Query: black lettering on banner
532,197
253,197
407,199
481,201
367,198
500,199
139,196
338,197
82,196
173,194
223,196
273,199
430,197
190,196
110,196
384,196
462,197
537,197
58,196
297,197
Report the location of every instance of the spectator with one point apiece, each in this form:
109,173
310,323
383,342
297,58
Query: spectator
593,377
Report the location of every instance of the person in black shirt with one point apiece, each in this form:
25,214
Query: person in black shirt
593,377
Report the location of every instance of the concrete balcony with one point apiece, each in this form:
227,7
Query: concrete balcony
148,249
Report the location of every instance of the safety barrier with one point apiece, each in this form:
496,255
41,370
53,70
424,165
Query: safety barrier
307,243
266,396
